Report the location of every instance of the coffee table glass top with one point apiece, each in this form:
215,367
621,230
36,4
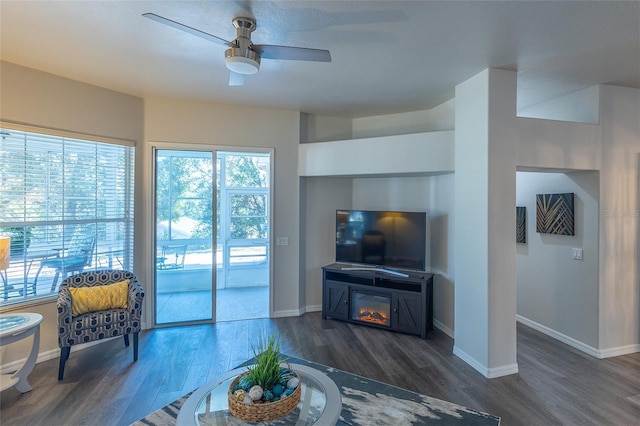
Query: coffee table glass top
320,401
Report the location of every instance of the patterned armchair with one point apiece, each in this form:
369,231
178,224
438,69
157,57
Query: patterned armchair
92,326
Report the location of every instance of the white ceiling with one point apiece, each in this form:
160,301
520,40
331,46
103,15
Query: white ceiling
388,56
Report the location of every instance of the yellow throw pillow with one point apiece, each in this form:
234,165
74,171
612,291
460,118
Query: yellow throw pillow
99,298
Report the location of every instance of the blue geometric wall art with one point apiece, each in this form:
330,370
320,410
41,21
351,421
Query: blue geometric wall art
521,225
554,214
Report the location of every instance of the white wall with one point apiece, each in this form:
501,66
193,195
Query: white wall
442,250
321,128
42,100
582,106
211,124
485,222
322,197
438,118
471,220
557,144
45,100
318,128
555,291
417,153
619,306
392,193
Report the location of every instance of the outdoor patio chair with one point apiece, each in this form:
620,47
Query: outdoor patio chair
172,257
75,259
120,296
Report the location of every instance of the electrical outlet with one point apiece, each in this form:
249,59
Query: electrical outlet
282,241
576,253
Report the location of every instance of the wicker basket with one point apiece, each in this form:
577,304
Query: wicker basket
262,412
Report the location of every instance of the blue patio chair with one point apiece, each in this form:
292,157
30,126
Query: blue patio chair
71,260
168,251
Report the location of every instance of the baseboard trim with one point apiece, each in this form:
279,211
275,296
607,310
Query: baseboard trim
620,350
297,312
47,355
288,313
42,357
489,373
313,308
440,326
576,344
505,370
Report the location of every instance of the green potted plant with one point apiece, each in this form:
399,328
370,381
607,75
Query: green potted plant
268,389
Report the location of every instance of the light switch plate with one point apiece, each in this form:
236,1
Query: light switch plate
576,253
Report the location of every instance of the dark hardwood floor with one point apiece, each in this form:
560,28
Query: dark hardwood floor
556,383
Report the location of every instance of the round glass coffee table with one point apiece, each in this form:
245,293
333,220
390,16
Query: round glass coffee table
320,402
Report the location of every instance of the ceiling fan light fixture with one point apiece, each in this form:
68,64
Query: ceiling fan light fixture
242,58
247,62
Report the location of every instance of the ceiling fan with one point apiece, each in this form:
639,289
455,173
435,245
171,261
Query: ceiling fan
242,56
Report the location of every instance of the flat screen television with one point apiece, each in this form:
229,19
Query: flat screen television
392,239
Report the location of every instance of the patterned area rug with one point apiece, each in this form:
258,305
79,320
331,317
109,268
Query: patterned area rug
366,402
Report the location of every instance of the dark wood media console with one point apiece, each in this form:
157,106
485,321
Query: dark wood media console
373,297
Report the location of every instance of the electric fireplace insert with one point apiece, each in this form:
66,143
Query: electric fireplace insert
371,308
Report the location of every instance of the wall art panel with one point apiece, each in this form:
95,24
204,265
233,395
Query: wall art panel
554,214
521,225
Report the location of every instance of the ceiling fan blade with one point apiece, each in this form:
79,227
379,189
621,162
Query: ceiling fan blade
292,53
236,79
188,29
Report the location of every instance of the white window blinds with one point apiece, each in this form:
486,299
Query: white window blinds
67,205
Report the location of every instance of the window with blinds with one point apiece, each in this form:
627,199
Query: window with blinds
67,206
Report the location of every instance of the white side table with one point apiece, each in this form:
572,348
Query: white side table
14,327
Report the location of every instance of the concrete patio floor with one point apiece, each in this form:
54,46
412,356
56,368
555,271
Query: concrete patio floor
232,304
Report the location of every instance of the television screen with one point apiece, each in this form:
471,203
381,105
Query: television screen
381,238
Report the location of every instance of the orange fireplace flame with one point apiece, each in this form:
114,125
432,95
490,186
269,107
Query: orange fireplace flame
373,316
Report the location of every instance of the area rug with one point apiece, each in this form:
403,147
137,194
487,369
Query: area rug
366,402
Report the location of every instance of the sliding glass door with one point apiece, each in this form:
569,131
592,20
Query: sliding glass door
243,235
184,244
211,246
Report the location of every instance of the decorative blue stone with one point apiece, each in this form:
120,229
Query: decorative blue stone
278,389
285,373
288,391
267,395
245,383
